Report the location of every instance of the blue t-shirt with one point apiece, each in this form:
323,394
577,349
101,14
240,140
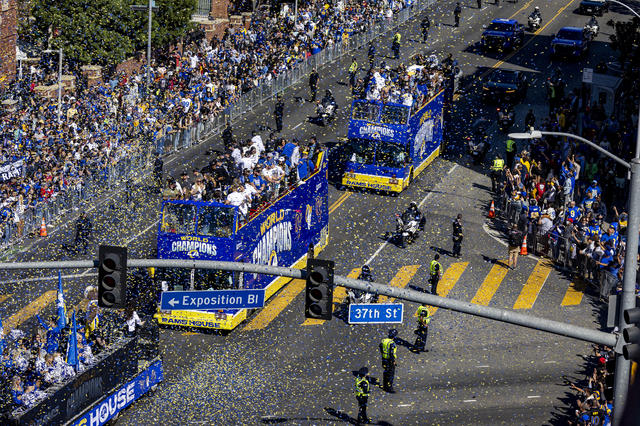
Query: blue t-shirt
573,213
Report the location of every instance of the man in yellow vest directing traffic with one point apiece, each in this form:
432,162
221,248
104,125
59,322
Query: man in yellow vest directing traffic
435,273
423,328
363,389
353,71
388,352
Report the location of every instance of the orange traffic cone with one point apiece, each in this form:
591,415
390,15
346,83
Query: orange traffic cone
523,249
492,210
43,228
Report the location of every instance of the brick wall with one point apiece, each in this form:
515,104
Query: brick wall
219,8
8,38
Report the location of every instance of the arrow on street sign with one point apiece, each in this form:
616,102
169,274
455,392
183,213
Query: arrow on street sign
207,300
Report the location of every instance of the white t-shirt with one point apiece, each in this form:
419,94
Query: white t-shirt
256,142
131,322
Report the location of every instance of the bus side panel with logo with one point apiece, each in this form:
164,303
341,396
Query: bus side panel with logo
388,146
280,235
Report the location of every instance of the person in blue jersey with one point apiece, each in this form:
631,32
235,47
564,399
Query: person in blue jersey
53,333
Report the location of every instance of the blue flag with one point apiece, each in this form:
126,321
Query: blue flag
1,337
72,349
62,309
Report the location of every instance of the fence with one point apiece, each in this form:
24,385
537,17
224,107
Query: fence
138,166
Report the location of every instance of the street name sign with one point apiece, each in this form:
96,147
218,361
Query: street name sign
206,300
376,313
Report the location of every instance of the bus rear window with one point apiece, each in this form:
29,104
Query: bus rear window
179,218
394,114
215,221
365,111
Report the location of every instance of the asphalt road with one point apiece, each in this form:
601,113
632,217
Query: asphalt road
477,371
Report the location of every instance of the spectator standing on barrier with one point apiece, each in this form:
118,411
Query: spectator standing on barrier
314,77
456,14
363,390
515,241
435,273
422,330
457,236
388,350
278,113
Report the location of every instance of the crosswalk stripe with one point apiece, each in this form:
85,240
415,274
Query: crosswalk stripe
4,297
490,284
532,287
574,293
339,295
448,280
30,310
401,280
276,306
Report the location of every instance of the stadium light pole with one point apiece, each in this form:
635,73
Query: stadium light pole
623,366
60,54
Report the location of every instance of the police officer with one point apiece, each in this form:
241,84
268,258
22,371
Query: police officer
435,273
423,328
158,168
83,231
388,352
353,71
313,84
457,236
363,389
511,152
395,45
278,112
425,24
366,275
456,14
496,172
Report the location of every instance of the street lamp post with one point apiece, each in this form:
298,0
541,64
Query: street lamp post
625,6
149,8
60,54
628,300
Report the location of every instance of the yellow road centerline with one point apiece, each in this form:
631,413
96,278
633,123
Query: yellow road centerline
30,310
532,287
339,201
574,293
521,9
4,297
448,280
276,306
490,284
400,280
339,295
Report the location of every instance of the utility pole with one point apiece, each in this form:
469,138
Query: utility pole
60,54
149,8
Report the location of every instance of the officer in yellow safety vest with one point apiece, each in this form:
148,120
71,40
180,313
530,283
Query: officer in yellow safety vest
423,328
388,352
496,172
435,272
511,152
353,71
395,45
363,388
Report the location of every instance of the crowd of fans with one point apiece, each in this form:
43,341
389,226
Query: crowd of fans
31,363
101,125
565,196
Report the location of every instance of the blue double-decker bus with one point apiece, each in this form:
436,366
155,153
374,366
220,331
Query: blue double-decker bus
280,234
389,144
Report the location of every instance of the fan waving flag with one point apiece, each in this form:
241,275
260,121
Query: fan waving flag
72,349
62,309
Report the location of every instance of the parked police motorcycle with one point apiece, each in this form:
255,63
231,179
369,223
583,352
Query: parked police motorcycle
360,296
505,118
326,109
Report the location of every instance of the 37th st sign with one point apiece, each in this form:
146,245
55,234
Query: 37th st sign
211,300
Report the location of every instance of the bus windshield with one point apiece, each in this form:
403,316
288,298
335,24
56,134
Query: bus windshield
180,279
390,155
362,151
179,218
215,221
394,114
366,111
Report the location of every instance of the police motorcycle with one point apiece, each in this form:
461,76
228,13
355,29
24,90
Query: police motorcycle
591,28
326,109
535,19
478,145
360,296
505,118
408,226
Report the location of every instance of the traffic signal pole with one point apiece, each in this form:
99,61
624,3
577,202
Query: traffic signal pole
503,315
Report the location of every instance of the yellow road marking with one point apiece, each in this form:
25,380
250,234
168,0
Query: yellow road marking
574,293
490,284
532,287
401,280
339,201
521,9
448,280
30,310
510,55
4,297
339,295
276,306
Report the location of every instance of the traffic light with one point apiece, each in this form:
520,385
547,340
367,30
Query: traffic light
112,276
632,335
318,302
